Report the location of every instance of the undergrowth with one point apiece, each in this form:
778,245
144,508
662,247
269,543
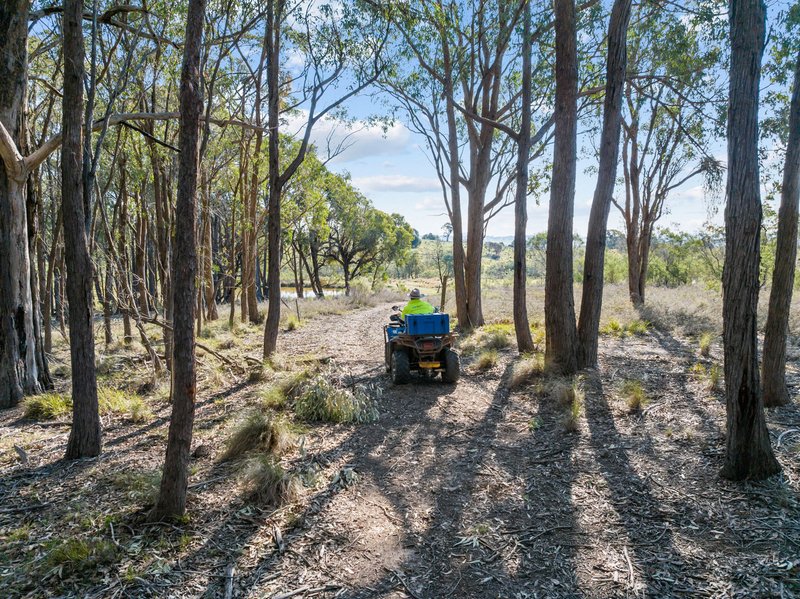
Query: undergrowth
258,431
49,406
266,482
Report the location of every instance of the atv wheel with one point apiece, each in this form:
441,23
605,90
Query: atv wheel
401,368
452,366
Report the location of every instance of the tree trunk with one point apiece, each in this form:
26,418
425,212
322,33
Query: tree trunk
274,18
521,324
141,256
175,478
594,262
561,332
748,449
780,298
85,437
19,373
127,334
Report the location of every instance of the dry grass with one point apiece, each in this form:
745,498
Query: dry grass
527,369
568,396
266,482
486,360
258,431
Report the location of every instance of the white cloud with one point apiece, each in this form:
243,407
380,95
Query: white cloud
375,183
352,140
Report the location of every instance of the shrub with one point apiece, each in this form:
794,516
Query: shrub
634,395
266,482
527,368
487,360
361,293
319,400
257,431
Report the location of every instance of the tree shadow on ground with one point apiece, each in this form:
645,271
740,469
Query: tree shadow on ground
645,529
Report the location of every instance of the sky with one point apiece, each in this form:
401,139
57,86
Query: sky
393,170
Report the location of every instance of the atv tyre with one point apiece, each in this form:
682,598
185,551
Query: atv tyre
452,366
401,367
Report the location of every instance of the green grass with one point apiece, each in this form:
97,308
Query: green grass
258,431
49,406
634,394
293,323
140,486
705,344
73,555
615,328
714,377
319,400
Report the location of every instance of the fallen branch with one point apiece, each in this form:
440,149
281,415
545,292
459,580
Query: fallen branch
230,572
202,346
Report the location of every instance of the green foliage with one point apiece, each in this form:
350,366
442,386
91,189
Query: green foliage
46,406
292,323
616,329
257,431
320,400
705,344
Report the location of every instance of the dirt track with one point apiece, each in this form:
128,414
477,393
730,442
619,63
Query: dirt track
471,491
460,491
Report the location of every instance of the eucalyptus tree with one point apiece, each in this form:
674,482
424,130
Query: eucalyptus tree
748,452
559,307
340,48
23,366
85,436
670,107
774,359
593,271
171,501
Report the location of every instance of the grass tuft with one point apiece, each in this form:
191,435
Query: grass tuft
486,360
714,378
292,323
140,486
615,328
266,482
705,344
258,431
525,370
49,406
634,394
78,555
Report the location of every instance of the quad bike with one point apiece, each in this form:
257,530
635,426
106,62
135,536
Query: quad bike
422,343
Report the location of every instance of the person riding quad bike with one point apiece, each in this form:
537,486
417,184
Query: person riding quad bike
419,340
416,305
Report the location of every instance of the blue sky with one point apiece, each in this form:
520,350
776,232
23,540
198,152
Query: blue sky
392,169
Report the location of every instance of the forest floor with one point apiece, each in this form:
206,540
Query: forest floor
499,486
